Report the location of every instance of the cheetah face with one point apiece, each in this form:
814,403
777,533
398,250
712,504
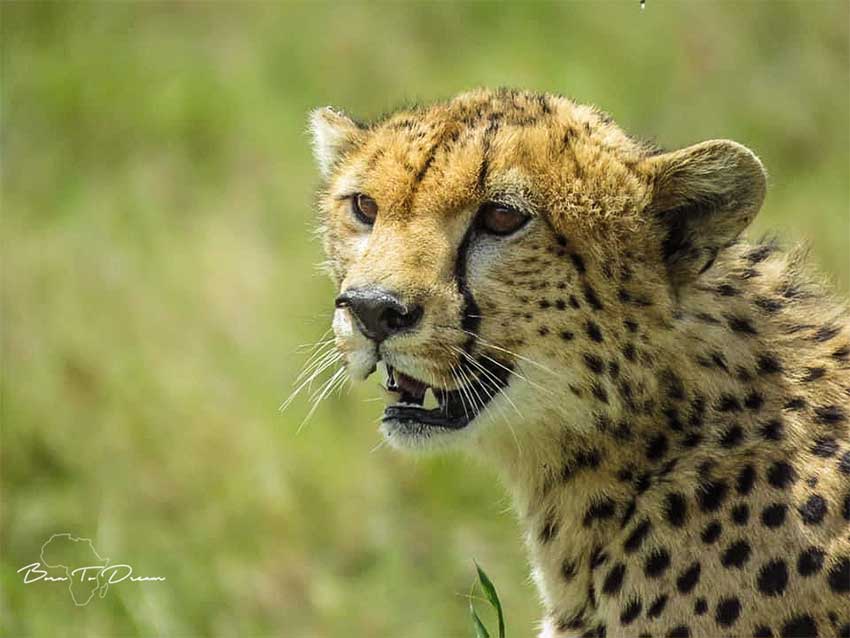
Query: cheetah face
422,308
451,230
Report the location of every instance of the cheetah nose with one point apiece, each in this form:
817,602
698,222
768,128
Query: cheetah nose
379,313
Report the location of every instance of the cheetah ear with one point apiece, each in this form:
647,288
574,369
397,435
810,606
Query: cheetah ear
333,135
704,196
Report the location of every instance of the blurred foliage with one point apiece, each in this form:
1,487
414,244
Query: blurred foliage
158,280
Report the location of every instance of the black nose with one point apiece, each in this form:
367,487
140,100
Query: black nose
379,312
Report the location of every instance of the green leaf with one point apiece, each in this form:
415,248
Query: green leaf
480,629
492,596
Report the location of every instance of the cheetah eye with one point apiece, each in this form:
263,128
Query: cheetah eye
364,208
498,219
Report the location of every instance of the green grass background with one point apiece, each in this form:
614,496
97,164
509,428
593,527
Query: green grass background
159,276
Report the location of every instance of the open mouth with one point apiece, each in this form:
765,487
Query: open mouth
422,404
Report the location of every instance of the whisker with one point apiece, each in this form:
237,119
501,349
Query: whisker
308,382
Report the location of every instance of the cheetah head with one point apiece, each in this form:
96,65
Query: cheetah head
473,241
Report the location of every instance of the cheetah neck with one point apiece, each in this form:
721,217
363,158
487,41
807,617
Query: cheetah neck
700,385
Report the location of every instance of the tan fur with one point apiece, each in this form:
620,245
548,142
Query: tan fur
667,375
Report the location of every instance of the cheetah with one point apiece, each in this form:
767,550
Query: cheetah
667,403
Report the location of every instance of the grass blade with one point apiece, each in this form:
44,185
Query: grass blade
480,629
491,595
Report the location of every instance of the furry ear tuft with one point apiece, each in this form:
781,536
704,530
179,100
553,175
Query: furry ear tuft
333,134
704,196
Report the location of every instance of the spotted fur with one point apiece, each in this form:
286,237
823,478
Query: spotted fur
675,429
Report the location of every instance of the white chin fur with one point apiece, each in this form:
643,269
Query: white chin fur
359,352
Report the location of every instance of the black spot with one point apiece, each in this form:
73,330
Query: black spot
768,364
700,606
673,420
589,458
562,241
574,302
657,563
544,304
623,431
549,529
657,606
813,510
597,557
680,631
688,579
797,403
830,414
675,387
599,510
543,331
631,326
736,555
627,515
676,509
842,354
591,298
803,626
629,352
727,290
781,475
727,611
769,304
631,611
643,482
825,446
839,576
599,393
741,514
845,508
575,621
762,631
760,253
594,332
813,374
825,333
774,515
844,632
728,403
692,440
568,569
773,578
731,436
810,561
773,430
844,463
742,325
566,335
594,363
614,580
578,262
746,480
754,401
636,538
711,532
711,495
656,447
560,304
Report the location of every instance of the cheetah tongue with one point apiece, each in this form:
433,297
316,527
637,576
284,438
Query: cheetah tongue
411,390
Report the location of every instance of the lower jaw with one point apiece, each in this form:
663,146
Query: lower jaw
436,418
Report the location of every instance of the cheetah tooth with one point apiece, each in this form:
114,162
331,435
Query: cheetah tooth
430,402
